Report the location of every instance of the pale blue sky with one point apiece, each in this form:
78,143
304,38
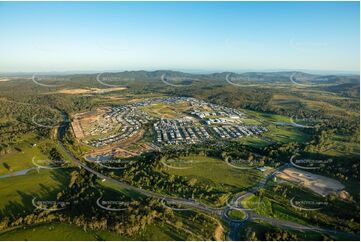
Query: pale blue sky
206,36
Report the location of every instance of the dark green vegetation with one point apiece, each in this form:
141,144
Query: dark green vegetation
81,211
62,231
331,109
276,201
262,231
18,192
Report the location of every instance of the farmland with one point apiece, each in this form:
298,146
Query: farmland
185,160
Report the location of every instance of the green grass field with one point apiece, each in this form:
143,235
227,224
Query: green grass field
341,146
275,134
61,231
266,117
164,110
216,172
21,157
236,214
271,208
286,134
281,207
284,200
114,187
18,192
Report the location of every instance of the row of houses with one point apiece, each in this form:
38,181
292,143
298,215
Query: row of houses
185,130
180,131
130,120
170,132
238,131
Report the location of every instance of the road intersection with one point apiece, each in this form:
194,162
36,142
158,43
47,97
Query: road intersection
235,203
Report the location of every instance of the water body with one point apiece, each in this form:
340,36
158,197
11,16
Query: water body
18,173
286,124
99,158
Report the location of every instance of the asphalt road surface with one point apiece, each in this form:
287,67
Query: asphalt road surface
234,225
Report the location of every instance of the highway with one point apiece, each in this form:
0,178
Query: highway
236,201
174,200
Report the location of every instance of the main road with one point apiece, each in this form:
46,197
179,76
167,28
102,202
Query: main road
235,203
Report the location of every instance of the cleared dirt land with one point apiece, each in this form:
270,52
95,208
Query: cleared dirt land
82,122
319,184
162,110
90,90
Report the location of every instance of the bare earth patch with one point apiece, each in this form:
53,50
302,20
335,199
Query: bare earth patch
218,233
82,120
319,184
90,90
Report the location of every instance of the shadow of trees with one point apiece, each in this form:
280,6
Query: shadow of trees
15,208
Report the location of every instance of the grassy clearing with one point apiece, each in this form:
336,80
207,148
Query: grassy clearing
21,157
341,145
255,141
165,110
115,187
22,154
55,231
17,192
269,117
271,208
236,214
216,172
275,134
286,134
61,231
312,100
284,200
250,121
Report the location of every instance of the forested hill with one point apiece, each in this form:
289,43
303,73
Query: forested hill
248,77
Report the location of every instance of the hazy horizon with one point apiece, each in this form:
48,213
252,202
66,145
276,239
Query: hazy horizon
205,72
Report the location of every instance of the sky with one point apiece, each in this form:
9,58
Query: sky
186,36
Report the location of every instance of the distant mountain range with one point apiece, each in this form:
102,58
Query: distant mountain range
247,77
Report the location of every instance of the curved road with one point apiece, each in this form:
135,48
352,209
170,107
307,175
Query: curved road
234,225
